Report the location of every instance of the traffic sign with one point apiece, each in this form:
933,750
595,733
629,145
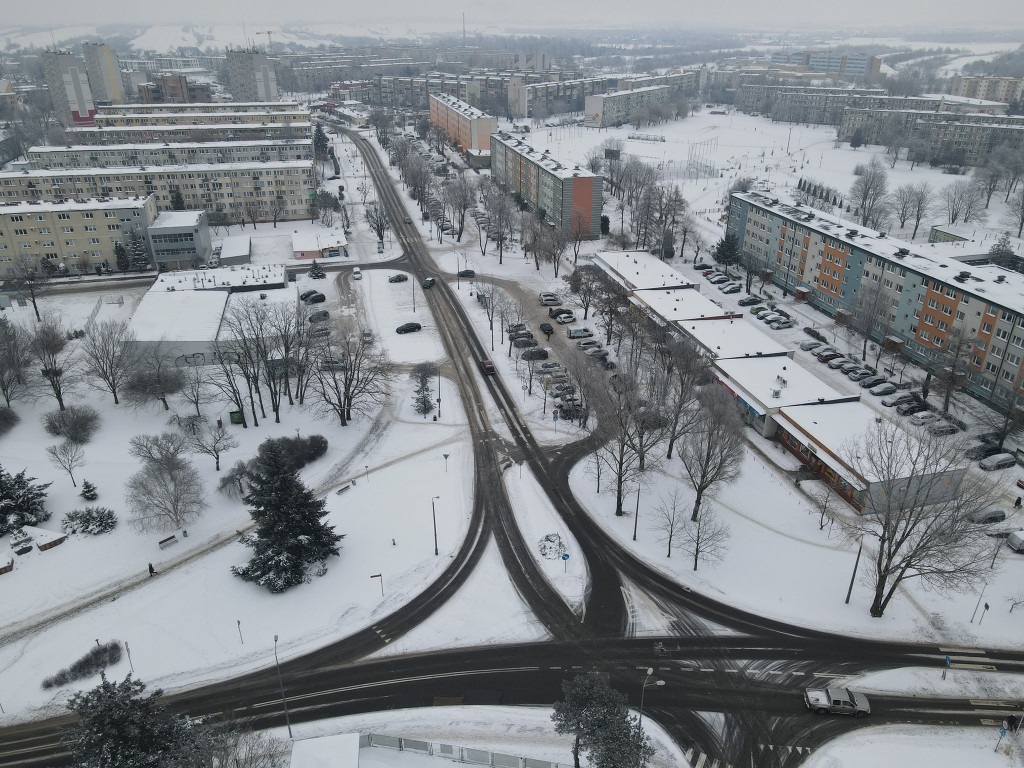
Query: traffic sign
565,556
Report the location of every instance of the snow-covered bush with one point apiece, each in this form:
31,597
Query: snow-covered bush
8,418
78,423
94,662
551,547
91,520
22,501
298,451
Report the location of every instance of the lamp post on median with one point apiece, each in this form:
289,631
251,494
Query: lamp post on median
280,683
647,681
433,514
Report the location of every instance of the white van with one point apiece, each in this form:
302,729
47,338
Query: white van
1015,541
578,333
357,274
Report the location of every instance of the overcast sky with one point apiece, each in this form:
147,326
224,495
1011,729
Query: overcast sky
853,15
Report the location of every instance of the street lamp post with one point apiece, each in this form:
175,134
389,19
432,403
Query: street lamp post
439,388
284,700
647,681
433,514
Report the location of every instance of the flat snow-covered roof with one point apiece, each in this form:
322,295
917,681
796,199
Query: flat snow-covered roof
317,241
179,316
758,379
177,219
234,246
639,270
679,303
732,338
222,278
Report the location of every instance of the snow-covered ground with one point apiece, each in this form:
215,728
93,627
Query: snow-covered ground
899,746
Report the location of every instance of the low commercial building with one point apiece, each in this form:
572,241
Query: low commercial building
603,110
466,127
72,236
180,240
319,245
570,196
234,251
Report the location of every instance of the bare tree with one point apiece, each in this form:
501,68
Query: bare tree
195,389
26,278
916,511
350,377
67,456
594,159
963,200
459,194
868,192
211,440
162,499
670,520
871,310
923,203
825,501
705,538
620,452
109,352
1006,422
580,232
1014,215
585,284
377,219
14,360
903,203
712,452
154,376
689,368
239,747
278,205
499,208
48,344
951,367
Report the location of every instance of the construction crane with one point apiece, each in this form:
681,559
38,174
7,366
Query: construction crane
268,33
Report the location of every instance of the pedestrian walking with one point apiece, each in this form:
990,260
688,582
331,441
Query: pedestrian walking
392,542
152,571
1016,504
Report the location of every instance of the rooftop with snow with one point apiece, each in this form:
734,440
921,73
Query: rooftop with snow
639,270
728,338
775,382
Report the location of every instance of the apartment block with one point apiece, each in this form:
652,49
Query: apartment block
146,134
76,236
607,109
198,115
352,90
570,196
104,70
465,126
932,292
68,83
174,89
251,76
874,124
1005,89
848,66
213,108
548,98
150,154
225,188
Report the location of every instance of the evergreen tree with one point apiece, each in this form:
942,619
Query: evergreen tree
589,707
22,501
138,252
423,397
121,255
290,535
120,727
316,272
177,200
857,139
88,491
728,249
1002,253
320,143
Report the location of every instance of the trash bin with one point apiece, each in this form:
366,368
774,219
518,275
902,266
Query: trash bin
235,417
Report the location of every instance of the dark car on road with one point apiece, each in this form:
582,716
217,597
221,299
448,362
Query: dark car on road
547,328
467,273
408,328
429,282
486,367
316,298
401,277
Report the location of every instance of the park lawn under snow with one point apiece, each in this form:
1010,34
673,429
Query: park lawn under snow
778,563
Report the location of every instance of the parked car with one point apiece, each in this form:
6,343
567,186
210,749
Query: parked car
749,301
900,398
320,332
538,353
998,461
563,389
872,382
718,278
550,366
909,409
758,310
429,282
987,516
467,273
731,288
547,328
850,367
768,317
982,451
781,325
550,301
407,220
596,353
367,337
316,298
554,312
525,342
566,318
838,362
579,333
609,365
522,333
306,294
408,328
882,388
588,344
824,350
943,428
515,327
357,273
859,374
401,277
320,317
924,417
331,364
486,367
727,284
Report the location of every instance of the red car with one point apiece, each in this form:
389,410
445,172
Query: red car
487,367
1020,483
